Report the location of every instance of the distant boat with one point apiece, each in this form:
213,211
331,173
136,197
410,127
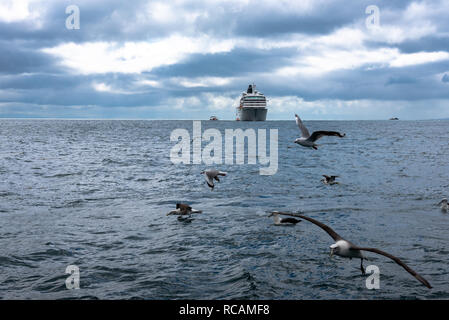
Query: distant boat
394,118
213,118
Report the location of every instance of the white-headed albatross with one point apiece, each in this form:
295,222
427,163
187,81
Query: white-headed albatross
346,249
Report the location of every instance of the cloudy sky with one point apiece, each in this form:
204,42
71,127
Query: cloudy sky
189,59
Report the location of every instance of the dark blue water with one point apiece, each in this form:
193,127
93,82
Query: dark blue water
95,194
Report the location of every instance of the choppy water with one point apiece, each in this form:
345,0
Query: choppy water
95,194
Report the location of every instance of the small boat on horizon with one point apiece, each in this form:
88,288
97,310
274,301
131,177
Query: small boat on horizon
213,118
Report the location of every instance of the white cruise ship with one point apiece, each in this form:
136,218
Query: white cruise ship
253,105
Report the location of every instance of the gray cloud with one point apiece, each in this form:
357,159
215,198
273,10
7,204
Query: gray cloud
36,84
16,58
239,61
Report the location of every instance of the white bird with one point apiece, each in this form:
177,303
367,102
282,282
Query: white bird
283,221
329,179
444,205
183,210
346,249
212,174
307,140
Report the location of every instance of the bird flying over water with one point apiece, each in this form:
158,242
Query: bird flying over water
183,210
307,140
283,221
329,179
443,205
212,174
346,249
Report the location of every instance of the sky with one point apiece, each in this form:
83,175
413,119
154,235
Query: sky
190,59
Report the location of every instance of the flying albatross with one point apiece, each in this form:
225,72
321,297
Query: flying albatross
444,205
212,174
307,140
283,221
346,249
183,211
329,179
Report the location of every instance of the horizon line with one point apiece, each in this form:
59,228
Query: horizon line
149,119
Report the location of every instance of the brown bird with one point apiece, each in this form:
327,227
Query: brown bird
346,249
183,210
329,179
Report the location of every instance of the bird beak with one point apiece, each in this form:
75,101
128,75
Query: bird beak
331,253
271,214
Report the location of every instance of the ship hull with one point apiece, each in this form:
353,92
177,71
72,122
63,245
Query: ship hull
253,114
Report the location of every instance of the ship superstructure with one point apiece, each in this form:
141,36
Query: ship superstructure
253,105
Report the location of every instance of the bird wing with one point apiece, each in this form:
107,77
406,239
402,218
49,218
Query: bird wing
399,262
290,220
318,134
329,230
304,132
212,172
176,212
209,180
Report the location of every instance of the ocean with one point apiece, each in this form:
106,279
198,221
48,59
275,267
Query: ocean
95,194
